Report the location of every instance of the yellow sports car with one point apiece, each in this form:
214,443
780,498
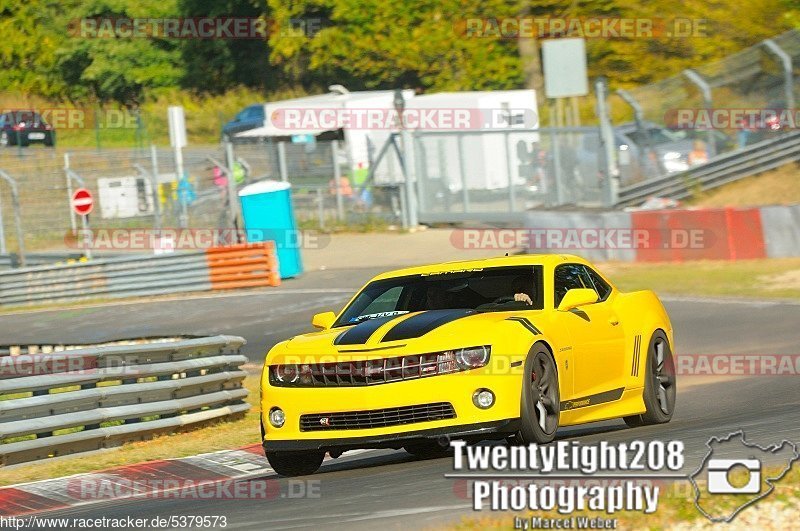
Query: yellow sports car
510,347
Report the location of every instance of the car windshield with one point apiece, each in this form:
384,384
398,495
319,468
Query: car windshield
18,117
657,136
489,289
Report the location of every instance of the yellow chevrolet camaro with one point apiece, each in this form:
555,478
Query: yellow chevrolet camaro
502,348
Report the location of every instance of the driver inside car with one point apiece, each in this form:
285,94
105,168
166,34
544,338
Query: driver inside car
523,289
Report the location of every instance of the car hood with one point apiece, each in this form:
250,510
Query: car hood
427,331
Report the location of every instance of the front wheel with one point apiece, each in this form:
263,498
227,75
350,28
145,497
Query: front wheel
659,384
540,407
292,464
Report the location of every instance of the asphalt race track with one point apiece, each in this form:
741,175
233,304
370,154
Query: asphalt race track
390,488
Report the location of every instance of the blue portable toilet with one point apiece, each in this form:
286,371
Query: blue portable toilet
268,215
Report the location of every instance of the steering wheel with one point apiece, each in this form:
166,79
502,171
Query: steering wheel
504,299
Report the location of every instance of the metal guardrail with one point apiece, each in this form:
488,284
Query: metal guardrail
86,399
230,267
721,170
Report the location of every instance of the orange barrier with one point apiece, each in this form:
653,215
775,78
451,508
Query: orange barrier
709,234
243,265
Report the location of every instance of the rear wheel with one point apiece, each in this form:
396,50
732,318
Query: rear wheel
295,463
659,384
540,407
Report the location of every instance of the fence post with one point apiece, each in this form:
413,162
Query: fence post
410,166
17,217
233,196
510,170
72,223
638,116
462,170
607,139
84,218
321,208
3,249
705,89
788,72
282,162
155,185
337,179
184,216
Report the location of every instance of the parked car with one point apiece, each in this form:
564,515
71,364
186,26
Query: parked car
25,127
248,118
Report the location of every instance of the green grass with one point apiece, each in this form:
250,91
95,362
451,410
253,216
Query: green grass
768,278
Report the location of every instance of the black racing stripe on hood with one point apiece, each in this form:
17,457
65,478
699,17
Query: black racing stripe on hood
422,323
360,333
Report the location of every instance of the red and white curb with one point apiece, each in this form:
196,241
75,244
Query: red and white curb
211,475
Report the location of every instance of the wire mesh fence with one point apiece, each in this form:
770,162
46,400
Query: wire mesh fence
706,109
141,189
466,175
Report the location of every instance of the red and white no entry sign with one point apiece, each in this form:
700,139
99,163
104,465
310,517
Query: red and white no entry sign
82,201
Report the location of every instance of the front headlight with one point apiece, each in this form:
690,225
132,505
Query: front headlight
672,155
284,374
290,374
472,357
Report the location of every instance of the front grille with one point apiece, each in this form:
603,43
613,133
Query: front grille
377,418
371,372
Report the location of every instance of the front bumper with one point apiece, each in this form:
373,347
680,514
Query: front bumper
488,430
456,389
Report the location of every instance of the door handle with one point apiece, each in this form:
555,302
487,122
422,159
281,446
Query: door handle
613,321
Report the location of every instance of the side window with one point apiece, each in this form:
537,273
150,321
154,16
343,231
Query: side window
600,286
567,277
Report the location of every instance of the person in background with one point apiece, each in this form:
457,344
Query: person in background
698,154
344,187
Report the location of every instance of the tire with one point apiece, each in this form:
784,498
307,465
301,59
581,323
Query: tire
291,464
540,402
427,449
659,384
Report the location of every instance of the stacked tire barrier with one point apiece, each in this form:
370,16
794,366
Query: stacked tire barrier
218,268
86,399
677,235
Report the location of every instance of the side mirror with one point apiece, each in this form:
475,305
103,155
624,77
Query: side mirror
577,297
323,320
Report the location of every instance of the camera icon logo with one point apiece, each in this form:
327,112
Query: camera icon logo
720,471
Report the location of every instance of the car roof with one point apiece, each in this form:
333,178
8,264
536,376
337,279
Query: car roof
500,261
